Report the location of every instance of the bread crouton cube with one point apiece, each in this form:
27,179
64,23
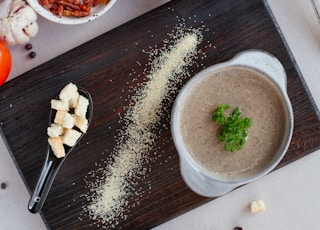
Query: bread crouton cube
257,206
57,146
82,106
59,105
71,137
68,91
54,130
74,99
59,118
68,121
64,118
81,123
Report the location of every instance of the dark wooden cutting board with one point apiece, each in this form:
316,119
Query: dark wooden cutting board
105,67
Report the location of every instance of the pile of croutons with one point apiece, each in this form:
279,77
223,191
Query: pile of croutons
70,121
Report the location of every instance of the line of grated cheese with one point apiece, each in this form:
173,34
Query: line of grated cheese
136,139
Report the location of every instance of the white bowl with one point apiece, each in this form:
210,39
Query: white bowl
95,13
201,180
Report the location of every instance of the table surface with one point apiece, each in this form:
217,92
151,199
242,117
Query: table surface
289,193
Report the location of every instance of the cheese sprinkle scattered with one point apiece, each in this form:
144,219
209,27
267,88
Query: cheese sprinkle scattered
136,139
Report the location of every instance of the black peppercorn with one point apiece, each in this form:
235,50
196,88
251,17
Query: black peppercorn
3,185
28,46
237,228
32,54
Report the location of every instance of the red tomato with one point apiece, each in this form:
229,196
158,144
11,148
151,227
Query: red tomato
5,62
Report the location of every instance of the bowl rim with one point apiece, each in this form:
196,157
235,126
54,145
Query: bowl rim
70,20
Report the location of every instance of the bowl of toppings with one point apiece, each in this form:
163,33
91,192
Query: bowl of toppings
71,11
232,123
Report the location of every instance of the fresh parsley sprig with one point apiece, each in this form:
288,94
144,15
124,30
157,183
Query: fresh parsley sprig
234,129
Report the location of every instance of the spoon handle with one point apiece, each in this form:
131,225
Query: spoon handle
44,184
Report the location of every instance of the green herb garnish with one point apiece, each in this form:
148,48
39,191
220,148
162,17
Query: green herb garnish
234,129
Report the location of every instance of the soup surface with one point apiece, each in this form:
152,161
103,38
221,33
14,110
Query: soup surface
257,97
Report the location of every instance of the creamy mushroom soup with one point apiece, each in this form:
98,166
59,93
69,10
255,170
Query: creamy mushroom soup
257,97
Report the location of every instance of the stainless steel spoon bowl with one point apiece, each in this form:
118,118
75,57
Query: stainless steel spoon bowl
52,163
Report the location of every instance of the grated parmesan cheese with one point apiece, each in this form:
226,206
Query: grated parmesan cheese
136,139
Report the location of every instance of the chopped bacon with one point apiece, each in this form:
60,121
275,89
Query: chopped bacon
71,8
60,11
75,13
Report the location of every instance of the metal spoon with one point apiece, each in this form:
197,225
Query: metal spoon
52,163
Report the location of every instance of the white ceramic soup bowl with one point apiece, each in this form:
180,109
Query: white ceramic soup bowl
198,178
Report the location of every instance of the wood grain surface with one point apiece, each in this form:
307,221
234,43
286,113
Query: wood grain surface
106,67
